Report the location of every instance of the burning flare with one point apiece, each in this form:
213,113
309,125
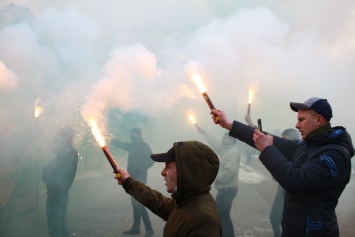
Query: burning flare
192,119
250,99
197,79
38,109
95,130
251,95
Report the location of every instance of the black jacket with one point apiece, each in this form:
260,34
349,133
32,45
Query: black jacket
60,172
138,161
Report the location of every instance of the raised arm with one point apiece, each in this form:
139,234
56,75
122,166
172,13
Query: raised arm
219,117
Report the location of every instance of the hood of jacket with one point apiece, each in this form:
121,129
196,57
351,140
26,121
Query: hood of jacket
338,136
196,167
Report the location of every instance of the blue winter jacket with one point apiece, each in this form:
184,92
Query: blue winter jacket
314,174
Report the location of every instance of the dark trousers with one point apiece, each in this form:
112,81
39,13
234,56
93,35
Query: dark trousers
57,216
224,200
276,211
139,211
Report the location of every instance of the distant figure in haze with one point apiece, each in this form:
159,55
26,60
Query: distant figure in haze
138,163
314,172
58,175
190,169
227,178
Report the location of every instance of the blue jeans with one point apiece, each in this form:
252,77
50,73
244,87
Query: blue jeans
224,201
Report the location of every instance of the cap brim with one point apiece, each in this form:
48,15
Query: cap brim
164,157
296,106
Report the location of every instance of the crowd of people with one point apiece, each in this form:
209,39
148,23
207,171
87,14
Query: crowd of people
311,172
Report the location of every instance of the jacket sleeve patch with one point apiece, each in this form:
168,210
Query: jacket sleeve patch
331,165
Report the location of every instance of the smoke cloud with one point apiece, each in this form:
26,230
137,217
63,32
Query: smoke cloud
132,83
59,48
7,79
128,64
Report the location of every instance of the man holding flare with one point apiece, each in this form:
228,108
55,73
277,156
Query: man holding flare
190,169
314,172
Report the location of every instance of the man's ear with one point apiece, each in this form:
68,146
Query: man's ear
321,120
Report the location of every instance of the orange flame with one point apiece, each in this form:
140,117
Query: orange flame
96,132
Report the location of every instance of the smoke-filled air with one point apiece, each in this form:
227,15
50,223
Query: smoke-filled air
119,65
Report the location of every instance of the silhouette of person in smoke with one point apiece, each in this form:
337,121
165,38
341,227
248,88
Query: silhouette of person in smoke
138,163
59,175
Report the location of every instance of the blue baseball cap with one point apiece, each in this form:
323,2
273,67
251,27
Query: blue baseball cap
319,105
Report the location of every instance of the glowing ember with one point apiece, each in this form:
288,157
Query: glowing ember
96,132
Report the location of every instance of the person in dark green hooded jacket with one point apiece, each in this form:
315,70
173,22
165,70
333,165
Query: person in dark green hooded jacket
190,169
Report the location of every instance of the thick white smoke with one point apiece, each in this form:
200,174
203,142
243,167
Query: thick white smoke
85,59
8,80
132,82
121,64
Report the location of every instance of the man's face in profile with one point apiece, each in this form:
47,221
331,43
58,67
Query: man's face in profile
170,177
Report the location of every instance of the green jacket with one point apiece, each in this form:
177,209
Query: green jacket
192,210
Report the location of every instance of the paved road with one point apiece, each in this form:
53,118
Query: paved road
99,207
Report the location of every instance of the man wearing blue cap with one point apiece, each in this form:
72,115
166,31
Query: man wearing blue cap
314,172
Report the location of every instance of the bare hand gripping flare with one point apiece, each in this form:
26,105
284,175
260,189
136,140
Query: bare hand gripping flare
104,148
